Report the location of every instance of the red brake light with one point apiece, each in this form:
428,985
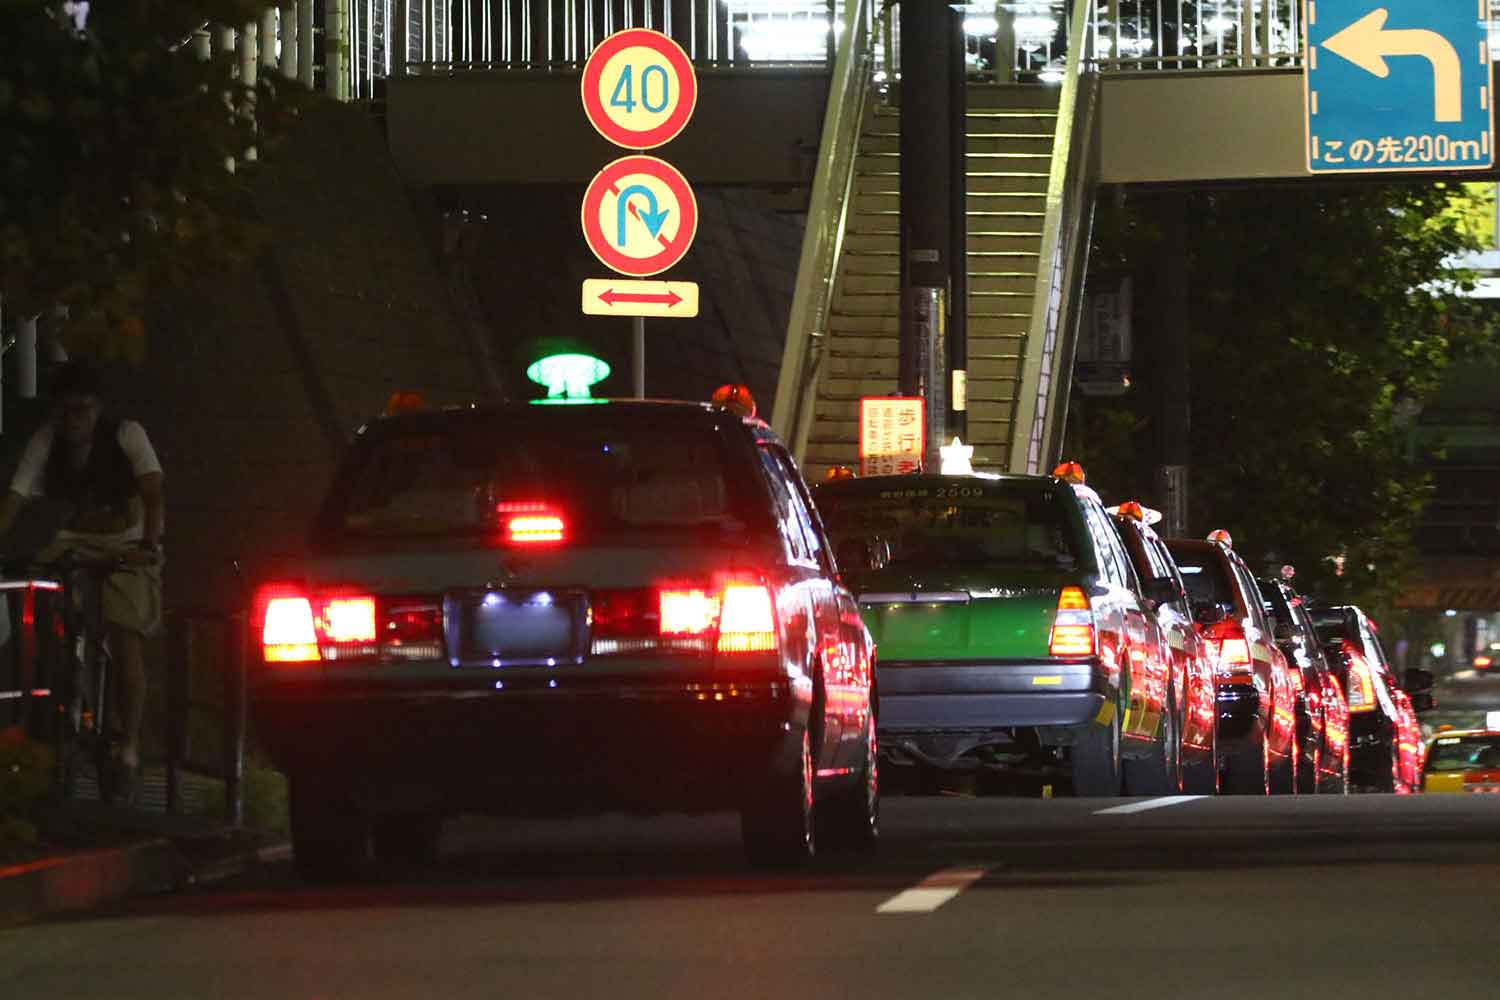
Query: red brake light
1235,653
287,634
687,611
530,522
348,619
747,623
1073,626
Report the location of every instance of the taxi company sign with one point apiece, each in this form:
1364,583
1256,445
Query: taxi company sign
891,437
1398,85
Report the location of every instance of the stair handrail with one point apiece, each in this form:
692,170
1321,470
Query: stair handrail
823,239
1046,370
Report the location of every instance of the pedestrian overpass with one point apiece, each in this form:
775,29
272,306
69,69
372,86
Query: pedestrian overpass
802,96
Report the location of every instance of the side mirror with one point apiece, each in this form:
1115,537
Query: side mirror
1161,590
1208,614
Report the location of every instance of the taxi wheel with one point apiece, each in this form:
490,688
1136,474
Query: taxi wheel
330,836
852,819
1247,772
1096,759
1159,773
777,825
407,840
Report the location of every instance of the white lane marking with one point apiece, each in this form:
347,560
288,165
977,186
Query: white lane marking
933,891
1135,807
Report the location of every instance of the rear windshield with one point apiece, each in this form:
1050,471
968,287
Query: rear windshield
1460,753
1204,575
1274,602
458,477
937,525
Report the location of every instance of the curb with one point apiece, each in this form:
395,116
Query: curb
90,879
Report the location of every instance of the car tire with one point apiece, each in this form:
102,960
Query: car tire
778,824
1247,772
1160,771
851,819
1096,759
408,840
1201,775
330,836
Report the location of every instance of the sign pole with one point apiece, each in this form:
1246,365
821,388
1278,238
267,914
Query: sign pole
638,354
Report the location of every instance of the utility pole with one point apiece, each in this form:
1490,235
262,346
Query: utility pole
927,263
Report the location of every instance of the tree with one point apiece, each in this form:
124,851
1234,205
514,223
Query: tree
1323,318
116,145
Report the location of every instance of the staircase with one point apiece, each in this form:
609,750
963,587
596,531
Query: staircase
1010,137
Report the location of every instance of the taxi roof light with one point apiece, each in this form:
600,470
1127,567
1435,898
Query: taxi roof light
1222,537
1136,511
1070,472
838,472
735,398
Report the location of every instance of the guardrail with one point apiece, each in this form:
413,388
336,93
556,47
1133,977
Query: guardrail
823,237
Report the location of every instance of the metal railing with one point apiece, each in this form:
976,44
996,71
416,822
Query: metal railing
823,238
1046,367
1197,35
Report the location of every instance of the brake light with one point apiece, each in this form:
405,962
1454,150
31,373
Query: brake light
287,634
732,615
531,522
1073,626
1227,641
1361,694
1234,653
747,624
307,627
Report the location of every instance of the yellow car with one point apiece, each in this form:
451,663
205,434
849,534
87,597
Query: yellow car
1459,762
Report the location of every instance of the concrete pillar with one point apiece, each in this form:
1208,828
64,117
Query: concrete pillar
307,63
335,38
291,19
269,28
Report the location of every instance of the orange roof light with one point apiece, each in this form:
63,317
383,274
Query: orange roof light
735,398
1070,472
839,472
1133,510
403,401
1222,537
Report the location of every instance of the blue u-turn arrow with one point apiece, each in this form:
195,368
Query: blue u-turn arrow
653,218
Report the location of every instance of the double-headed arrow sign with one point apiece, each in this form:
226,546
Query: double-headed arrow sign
622,297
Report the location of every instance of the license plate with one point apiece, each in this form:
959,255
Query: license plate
506,627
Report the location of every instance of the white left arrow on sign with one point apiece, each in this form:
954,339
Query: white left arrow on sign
1366,43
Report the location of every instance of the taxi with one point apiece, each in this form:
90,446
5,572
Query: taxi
1463,762
1255,691
1010,629
521,608
1191,691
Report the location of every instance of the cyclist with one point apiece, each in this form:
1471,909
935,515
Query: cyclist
103,474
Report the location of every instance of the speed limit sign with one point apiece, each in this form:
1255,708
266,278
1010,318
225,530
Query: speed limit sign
639,89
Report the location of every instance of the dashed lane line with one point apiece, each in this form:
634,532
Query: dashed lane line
933,891
1158,803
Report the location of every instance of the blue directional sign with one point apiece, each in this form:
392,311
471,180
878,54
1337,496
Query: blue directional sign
1397,85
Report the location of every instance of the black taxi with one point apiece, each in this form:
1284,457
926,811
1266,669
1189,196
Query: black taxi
531,608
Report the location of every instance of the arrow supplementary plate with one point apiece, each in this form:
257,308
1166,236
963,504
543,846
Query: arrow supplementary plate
622,297
1367,44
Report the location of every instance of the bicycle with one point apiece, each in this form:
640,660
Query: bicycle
81,730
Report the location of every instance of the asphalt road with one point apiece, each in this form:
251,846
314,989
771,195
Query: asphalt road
1367,896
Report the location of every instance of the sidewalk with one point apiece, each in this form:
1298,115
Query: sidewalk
93,853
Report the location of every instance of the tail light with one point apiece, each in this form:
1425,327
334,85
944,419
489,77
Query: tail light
1073,627
1361,694
732,614
1227,640
1482,782
531,522
299,626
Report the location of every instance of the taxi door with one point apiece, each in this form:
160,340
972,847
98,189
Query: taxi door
810,602
1137,647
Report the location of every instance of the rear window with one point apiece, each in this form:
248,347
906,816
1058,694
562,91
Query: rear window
943,524
456,477
1204,576
1274,602
1461,753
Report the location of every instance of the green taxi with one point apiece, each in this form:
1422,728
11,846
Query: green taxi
1010,631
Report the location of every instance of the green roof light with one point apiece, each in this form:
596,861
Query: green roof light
568,376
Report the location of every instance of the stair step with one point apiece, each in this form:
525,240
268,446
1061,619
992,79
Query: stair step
889,164
851,366
979,284
997,96
987,334
1036,144
989,183
980,243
